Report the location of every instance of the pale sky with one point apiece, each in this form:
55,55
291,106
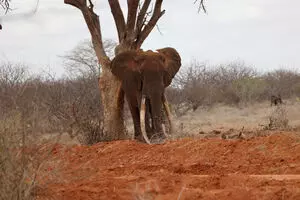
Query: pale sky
263,33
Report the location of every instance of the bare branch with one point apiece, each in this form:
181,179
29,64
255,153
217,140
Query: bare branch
76,3
118,17
157,13
91,5
82,59
93,23
159,30
5,4
201,5
142,16
131,19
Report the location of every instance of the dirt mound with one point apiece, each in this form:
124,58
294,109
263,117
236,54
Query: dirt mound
257,168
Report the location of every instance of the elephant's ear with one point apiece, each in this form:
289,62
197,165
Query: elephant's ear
167,78
162,59
172,63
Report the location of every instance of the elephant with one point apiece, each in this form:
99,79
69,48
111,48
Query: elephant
144,76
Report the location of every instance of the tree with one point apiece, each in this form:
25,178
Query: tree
131,35
82,60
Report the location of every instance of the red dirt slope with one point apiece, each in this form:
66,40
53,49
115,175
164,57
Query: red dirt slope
258,168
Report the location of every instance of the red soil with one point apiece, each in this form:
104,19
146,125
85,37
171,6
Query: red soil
257,168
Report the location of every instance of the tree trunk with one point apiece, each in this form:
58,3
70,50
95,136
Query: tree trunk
112,98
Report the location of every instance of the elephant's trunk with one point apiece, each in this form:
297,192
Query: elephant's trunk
156,113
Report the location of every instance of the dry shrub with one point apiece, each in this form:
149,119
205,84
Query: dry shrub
249,89
52,105
87,125
21,158
201,86
12,174
18,169
278,118
22,109
284,82
73,104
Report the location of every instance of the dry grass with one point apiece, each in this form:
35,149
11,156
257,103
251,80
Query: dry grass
15,180
278,118
223,118
20,161
233,120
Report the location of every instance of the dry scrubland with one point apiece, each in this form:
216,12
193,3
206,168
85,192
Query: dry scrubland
224,117
229,143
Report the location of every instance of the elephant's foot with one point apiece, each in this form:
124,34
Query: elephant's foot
158,138
149,132
140,138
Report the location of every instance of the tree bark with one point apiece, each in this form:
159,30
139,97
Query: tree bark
113,103
112,97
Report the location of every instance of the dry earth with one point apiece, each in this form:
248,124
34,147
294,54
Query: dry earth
262,165
266,167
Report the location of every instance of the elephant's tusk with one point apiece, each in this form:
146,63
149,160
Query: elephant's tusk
164,130
142,119
168,113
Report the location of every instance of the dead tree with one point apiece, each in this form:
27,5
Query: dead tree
132,32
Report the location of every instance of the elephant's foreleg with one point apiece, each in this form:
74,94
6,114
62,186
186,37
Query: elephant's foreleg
156,115
135,114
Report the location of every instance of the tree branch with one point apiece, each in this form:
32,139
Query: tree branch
93,23
131,19
141,16
76,3
5,4
118,17
201,5
157,13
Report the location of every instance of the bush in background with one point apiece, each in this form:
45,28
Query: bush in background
200,85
